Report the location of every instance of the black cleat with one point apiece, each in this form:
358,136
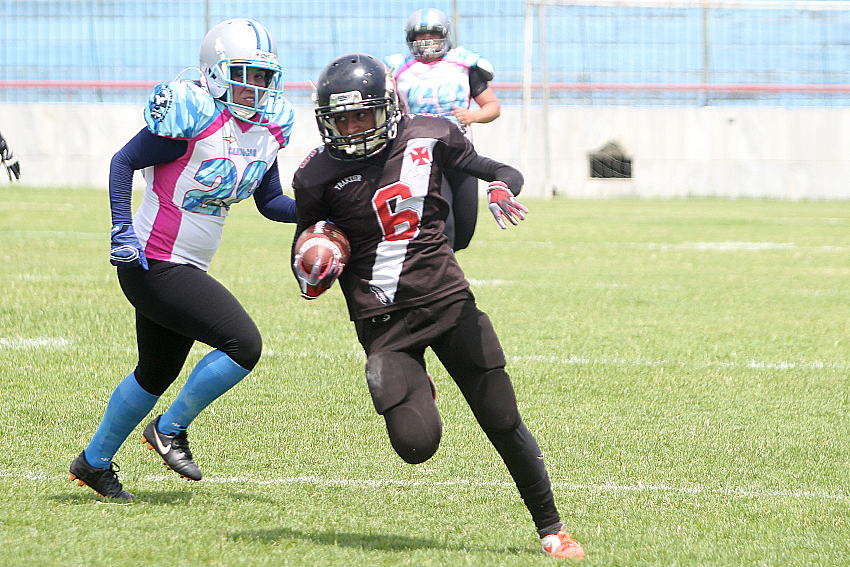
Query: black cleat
174,450
103,481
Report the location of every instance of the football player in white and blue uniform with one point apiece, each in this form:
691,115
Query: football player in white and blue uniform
205,147
436,78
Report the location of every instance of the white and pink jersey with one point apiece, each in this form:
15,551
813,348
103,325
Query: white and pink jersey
181,216
439,86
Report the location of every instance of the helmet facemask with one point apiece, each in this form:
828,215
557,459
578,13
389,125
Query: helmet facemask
428,48
428,20
230,73
364,144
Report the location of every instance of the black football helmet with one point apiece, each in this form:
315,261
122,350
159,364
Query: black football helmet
356,81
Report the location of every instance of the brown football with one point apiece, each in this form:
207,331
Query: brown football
321,242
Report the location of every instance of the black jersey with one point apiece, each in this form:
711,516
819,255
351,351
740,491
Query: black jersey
390,208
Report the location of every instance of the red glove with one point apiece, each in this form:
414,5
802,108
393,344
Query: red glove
315,284
504,204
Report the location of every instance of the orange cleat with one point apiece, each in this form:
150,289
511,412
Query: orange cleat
562,544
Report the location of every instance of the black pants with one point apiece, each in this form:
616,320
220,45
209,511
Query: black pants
176,305
461,191
464,340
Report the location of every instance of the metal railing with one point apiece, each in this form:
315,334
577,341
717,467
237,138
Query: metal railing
573,52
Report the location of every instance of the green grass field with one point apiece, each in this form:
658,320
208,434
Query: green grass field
683,364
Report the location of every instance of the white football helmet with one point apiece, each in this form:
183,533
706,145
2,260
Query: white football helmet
428,19
241,44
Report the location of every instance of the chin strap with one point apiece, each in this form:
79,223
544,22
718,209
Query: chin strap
242,112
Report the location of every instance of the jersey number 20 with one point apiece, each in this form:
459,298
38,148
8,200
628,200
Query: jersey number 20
220,175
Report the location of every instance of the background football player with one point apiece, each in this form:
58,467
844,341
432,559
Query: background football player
378,178
9,160
436,78
206,146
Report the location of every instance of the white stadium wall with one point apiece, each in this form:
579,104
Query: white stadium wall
784,153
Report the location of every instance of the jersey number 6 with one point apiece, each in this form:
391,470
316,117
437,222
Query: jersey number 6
394,206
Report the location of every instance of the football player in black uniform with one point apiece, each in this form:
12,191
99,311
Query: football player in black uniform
378,177
8,160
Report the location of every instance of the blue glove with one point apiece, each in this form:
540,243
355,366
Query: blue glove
126,250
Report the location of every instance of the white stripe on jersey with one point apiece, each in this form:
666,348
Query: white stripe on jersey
390,254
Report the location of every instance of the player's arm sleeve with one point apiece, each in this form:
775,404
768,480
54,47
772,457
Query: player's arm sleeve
477,83
492,170
310,210
270,200
143,150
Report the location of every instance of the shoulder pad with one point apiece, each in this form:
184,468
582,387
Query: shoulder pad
463,56
179,109
485,68
395,62
468,58
282,114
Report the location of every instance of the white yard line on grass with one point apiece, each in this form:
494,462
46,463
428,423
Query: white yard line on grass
752,364
697,246
7,343
366,483
724,246
55,234
32,343
731,246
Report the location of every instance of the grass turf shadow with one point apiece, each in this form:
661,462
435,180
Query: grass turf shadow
371,542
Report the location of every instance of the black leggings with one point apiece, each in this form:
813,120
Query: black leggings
464,340
461,191
176,305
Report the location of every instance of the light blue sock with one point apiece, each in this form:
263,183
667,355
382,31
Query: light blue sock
215,374
127,407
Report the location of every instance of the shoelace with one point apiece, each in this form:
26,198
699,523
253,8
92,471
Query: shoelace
181,442
565,539
109,477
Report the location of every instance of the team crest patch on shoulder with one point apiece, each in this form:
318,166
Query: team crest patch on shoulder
160,103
